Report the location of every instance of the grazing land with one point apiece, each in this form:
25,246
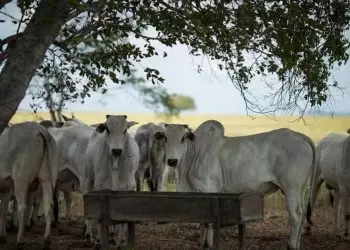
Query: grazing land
272,233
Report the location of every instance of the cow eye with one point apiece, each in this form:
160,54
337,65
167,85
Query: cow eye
107,130
183,139
125,131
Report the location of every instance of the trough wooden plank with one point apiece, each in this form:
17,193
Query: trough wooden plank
175,206
166,209
131,206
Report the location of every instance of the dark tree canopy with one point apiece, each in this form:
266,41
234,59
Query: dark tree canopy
298,41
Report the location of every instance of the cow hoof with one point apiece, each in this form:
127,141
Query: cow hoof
3,239
20,246
87,236
162,222
12,228
47,243
54,224
30,228
97,246
84,230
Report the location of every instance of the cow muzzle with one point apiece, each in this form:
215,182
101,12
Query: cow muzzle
172,162
116,152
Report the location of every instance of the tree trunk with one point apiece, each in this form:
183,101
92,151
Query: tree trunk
27,53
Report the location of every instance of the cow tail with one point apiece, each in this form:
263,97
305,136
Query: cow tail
312,180
52,158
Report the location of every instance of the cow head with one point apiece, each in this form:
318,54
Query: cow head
115,129
177,136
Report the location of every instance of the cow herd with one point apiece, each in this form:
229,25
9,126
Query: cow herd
38,160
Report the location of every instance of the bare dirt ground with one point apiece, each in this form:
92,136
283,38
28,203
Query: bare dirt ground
269,234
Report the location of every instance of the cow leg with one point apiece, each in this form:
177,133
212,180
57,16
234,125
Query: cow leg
294,205
36,206
87,187
21,196
209,236
30,202
203,234
344,196
206,235
14,219
121,234
5,199
139,176
56,211
312,202
47,203
69,201
336,211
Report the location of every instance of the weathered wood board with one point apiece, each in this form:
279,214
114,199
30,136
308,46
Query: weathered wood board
217,208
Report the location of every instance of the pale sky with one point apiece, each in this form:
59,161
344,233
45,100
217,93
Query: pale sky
211,90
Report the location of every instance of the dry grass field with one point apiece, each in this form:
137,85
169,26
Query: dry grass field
269,234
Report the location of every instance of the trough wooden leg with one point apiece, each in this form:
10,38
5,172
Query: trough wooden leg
241,236
105,235
131,234
217,236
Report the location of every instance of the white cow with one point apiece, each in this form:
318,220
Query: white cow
111,159
28,157
72,139
151,141
333,168
208,161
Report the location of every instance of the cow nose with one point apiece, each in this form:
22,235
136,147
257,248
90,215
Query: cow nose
172,162
116,152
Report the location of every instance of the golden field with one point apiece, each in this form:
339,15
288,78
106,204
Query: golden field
315,127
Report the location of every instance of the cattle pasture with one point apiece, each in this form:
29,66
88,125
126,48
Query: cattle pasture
275,213
314,126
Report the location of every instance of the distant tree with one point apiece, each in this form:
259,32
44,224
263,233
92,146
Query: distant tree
54,94
297,41
178,103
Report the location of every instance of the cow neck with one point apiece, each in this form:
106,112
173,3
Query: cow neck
184,168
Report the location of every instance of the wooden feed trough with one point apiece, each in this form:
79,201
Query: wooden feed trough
130,206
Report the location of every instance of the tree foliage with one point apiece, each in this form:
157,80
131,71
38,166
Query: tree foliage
299,42
157,98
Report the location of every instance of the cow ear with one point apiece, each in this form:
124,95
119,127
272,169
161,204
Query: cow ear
190,136
65,118
159,135
348,131
132,123
59,124
166,125
126,117
107,116
101,128
185,126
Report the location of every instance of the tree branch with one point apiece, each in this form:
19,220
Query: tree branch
7,40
